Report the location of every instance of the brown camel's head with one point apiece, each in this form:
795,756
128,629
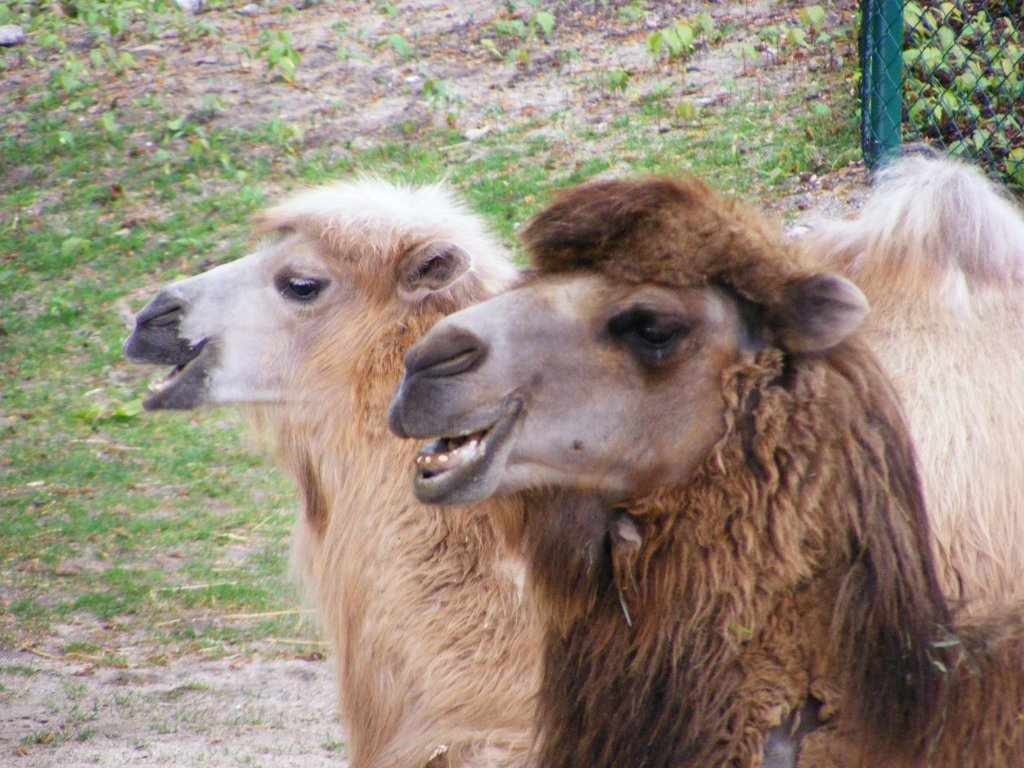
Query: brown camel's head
604,373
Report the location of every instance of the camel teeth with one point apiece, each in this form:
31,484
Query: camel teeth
443,458
469,447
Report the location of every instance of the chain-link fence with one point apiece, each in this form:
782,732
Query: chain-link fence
950,72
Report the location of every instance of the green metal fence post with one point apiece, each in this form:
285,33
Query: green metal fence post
882,79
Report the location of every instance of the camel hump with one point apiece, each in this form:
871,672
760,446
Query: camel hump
933,227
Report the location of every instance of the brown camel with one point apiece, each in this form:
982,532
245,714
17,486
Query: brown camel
437,659
939,252
724,527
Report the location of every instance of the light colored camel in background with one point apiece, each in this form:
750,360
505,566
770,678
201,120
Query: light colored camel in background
724,527
437,660
939,253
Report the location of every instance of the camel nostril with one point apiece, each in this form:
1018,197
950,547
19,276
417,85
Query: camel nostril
164,310
448,354
156,338
454,365
169,317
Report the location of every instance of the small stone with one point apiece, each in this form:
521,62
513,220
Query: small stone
249,10
191,6
473,134
11,36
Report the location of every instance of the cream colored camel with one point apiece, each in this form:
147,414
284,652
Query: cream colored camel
436,656
939,252
725,530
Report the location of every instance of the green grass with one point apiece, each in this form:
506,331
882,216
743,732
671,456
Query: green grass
165,532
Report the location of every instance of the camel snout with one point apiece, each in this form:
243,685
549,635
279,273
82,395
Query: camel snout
156,336
446,352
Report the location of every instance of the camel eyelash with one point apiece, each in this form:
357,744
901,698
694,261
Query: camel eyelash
653,334
300,289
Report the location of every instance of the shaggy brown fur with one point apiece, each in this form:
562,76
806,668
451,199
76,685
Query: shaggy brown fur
637,232
939,253
795,563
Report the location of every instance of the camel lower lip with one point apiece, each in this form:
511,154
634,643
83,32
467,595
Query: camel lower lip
448,466
185,385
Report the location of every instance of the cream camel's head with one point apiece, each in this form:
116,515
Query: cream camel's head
333,261
605,371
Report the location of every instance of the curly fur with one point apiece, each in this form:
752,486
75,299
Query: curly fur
794,565
637,232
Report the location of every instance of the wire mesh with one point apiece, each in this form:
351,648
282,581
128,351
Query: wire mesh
951,72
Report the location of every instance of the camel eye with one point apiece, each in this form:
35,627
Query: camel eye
301,289
646,332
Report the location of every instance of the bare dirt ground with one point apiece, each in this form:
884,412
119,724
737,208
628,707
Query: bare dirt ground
353,92
189,712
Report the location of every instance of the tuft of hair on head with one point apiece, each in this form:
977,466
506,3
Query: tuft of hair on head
370,203
675,231
369,217
679,232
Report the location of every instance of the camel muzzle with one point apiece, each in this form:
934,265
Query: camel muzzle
156,338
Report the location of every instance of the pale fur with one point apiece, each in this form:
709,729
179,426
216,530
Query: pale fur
939,252
382,216
436,655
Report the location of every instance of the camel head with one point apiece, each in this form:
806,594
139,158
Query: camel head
332,261
605,371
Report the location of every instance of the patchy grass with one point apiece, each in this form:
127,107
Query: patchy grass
128,537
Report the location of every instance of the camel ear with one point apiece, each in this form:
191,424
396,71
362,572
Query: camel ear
820,311
431,267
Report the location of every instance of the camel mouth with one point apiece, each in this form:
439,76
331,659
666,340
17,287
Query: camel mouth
460,468
185,385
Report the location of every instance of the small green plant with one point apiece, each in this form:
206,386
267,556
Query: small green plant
277,50
397,43
634,13
545,22
436,92
679,40
745,51
72,76
281,134
513,28
617,80
513,37
676,41
686,110
813,18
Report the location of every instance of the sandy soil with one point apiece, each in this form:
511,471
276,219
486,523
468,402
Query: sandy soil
190,712
350,93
